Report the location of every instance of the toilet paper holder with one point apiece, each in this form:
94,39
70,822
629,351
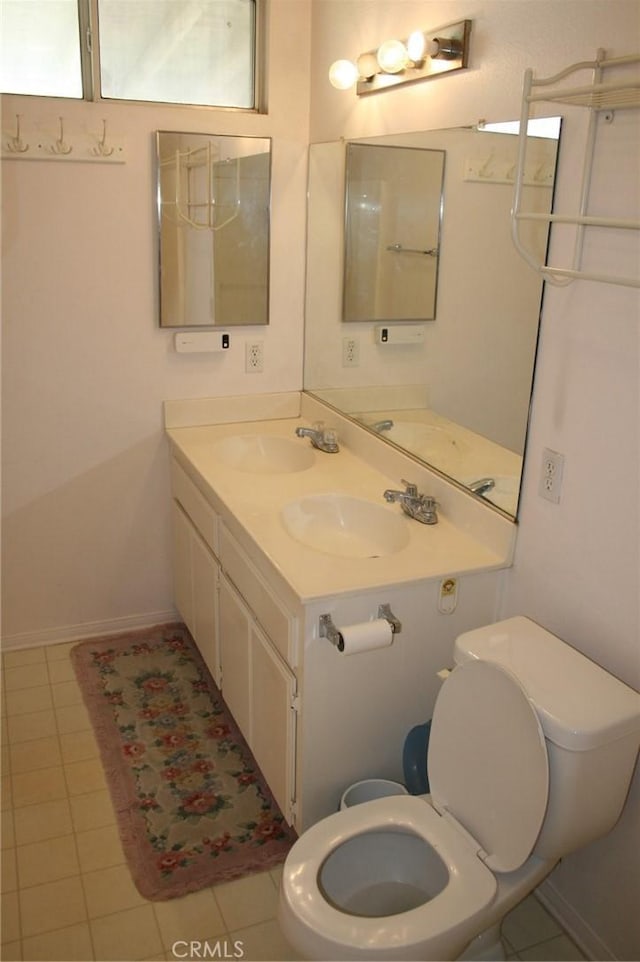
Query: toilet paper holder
328,629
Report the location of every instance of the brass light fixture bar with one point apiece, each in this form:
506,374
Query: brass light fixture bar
423,55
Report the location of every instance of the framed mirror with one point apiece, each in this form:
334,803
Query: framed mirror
458,398
213,195
393,204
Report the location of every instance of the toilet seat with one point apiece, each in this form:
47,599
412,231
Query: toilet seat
446,920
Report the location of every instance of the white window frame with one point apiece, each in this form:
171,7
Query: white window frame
90,62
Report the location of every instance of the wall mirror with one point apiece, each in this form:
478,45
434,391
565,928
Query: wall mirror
393,204
213,195
458,397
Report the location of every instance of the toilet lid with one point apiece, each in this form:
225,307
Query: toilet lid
487,761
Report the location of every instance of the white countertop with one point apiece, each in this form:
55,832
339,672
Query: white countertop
250,503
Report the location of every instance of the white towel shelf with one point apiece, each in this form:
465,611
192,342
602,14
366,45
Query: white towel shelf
601,97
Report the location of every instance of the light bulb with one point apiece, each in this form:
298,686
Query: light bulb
368,65
343,74
392,56
416,46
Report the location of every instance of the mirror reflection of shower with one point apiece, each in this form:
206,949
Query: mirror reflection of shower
393,207
213,207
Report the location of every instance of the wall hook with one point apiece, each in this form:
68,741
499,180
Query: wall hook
60,147
101,150
15,144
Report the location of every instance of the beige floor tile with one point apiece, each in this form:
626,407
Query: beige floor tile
78,747
6,793
72,718
99,848
262,943
43,785
558,949
47,861
529,923
86,776
24,728
23,656
35,823
26,676
54,905
71,944
61,670
10,917
92,810
59,652
22,701
9,871
8,838
38,753
110,890
194,917
66,693
247,901
132,934
11,952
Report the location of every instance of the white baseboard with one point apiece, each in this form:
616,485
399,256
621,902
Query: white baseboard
572,922
90,629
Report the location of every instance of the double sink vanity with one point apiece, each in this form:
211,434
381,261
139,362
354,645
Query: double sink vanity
271,534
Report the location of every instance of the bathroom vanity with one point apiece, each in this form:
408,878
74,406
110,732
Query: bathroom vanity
269,535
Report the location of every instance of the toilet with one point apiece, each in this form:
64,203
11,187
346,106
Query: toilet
531,753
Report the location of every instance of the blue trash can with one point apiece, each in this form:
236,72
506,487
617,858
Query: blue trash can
414,759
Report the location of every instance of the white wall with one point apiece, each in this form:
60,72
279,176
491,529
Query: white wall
576,568
85,485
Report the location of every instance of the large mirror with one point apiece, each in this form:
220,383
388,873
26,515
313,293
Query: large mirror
456,397
393,205
213,211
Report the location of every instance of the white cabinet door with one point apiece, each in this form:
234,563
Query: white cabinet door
182,581
195,588
235,626
205,593
273,719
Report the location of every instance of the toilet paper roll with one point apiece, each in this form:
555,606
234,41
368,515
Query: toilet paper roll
366,636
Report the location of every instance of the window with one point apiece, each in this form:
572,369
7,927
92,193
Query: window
199,52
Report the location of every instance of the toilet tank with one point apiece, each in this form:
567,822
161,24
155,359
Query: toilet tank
590,720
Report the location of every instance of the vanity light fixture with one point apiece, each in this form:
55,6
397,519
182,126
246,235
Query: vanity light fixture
422,55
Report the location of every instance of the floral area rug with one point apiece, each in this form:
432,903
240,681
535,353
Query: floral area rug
193,807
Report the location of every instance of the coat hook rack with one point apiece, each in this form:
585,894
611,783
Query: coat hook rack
53,142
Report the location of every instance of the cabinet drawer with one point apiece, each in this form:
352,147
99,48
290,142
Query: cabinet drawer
279,624
194,505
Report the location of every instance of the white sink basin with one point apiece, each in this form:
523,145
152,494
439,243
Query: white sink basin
345,527
263,454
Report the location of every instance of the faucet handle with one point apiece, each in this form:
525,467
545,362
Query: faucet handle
411,489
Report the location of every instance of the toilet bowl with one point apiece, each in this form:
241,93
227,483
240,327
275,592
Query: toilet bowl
431,877
392,856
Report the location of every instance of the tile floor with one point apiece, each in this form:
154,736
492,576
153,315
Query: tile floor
66,891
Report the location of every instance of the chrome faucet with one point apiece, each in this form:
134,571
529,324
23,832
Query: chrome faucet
381,426
324,439
422,507
482,485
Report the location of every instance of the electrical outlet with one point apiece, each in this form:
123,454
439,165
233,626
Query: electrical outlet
254,357
350,352
551,475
